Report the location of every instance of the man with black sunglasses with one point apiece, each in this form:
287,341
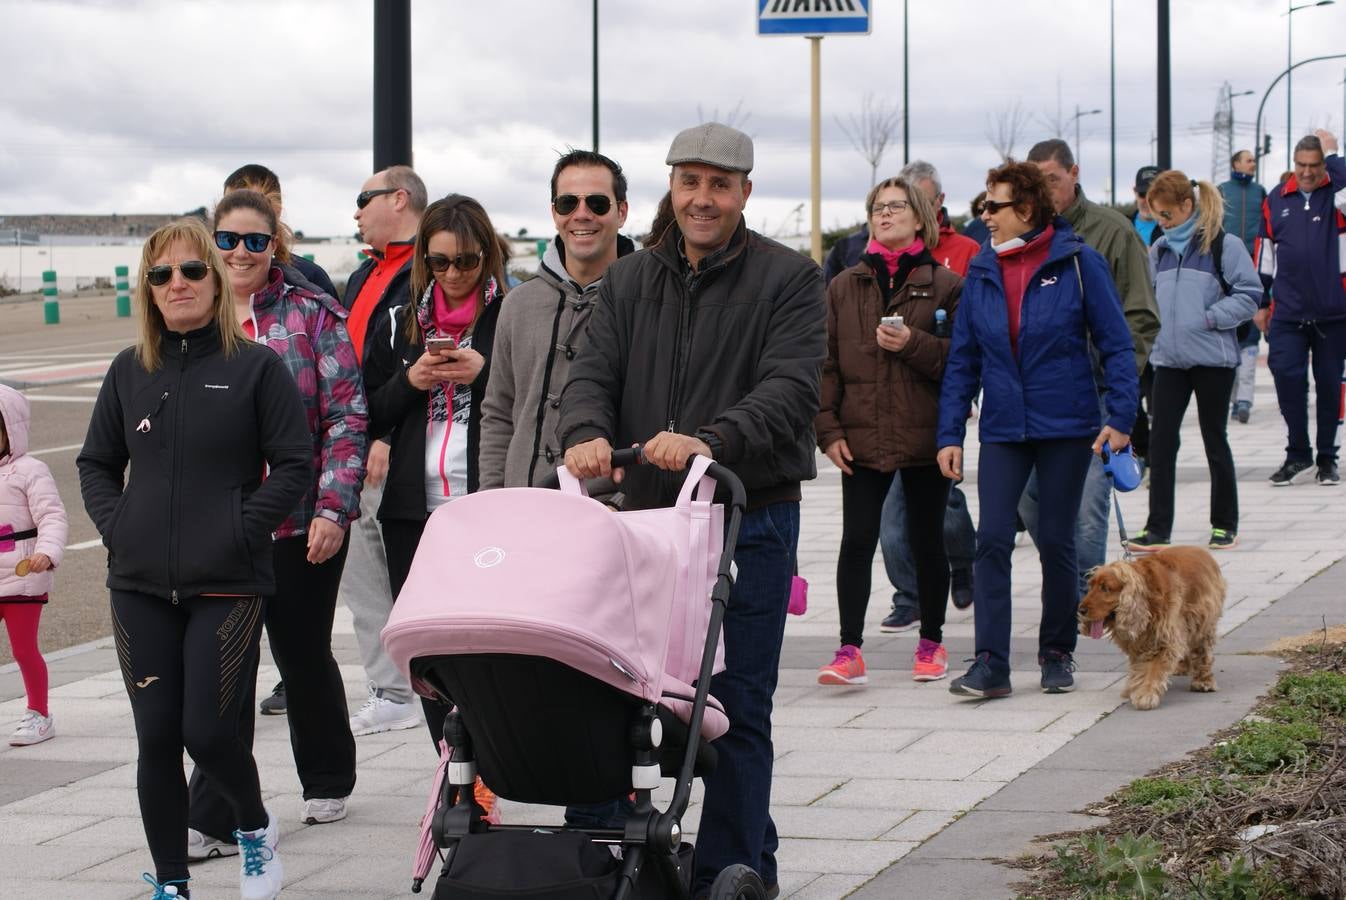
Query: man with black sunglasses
710,343
388,210
542,326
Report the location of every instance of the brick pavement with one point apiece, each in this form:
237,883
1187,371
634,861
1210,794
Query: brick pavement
863,776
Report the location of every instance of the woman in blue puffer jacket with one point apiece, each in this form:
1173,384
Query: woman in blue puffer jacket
1035,301
1203,298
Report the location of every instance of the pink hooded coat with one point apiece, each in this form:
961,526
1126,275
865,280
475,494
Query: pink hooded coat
28,499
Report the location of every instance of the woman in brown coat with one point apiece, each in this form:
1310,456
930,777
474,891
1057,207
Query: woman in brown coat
888,323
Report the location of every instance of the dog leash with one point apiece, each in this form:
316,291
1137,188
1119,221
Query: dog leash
1121,526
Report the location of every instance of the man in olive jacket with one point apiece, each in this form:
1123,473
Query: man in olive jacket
710,343
1111,234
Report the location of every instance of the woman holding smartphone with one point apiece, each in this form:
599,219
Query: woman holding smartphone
880,403
426,372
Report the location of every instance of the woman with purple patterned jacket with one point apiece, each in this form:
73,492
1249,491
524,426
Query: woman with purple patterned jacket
281,310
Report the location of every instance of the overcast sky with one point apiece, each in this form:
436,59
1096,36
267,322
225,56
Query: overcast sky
143,106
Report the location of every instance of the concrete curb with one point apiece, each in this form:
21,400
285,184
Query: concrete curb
960,861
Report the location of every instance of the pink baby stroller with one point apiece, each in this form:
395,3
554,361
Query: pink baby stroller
568,638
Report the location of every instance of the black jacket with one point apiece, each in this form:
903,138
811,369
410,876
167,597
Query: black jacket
195,516
397,411
734,350
395,294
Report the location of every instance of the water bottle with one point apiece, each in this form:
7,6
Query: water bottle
941,323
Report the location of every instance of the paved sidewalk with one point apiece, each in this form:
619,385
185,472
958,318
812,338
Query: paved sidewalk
867,780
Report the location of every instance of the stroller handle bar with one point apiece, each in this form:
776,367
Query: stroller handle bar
635,456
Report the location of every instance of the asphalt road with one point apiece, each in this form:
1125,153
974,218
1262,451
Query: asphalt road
71,356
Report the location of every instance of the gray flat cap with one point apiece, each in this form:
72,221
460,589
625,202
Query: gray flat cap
713,144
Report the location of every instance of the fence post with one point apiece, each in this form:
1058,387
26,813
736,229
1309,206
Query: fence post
51,307
123,292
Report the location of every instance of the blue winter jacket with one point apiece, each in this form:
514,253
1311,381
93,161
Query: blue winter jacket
1301,250
1049,391
1198,323
1243,210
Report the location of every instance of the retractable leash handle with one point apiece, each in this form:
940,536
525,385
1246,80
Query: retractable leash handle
1108,469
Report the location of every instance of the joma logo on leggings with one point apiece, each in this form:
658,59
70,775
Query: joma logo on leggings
229,624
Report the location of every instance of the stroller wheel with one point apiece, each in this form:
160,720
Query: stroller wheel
737,881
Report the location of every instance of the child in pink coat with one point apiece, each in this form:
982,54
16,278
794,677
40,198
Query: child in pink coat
32,540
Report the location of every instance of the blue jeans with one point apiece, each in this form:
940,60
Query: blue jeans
1091,527
960,541
1002,472
736,824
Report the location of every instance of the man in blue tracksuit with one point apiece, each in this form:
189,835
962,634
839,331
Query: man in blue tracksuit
1301,260
1243,198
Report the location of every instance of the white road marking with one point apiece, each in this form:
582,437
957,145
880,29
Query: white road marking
85,545
61,398
62,449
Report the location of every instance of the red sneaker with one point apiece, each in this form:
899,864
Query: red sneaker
930,662
847,667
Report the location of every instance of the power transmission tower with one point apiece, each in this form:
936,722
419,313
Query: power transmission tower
1222,133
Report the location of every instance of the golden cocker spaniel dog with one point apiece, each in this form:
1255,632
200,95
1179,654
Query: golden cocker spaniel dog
1162,610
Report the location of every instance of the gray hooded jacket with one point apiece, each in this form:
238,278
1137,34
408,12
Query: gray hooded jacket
1199,322
540,331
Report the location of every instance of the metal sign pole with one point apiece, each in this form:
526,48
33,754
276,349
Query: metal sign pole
816,146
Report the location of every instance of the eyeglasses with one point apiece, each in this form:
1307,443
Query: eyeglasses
254,242
995,206
463,262
598,204
362,199
192,270
892,207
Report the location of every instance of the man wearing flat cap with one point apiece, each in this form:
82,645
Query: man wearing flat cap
710,343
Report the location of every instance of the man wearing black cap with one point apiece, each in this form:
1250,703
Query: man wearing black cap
1148,229
710,344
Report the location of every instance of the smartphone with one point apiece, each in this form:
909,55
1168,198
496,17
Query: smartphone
891,321
440,345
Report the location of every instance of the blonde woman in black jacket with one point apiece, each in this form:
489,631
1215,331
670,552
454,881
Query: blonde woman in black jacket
198,413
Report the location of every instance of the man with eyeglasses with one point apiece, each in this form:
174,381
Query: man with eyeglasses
542,327
387,210
710,343
1301,260
1108,232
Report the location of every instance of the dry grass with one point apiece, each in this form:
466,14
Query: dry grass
1270,791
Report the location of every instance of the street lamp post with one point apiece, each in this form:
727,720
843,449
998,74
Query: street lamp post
1080,114
1290,11
1232,95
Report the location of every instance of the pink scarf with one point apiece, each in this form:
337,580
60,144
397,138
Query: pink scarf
892,257
452,322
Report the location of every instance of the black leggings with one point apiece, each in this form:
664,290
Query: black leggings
1173,390
862,496
299,628
400,539
188,668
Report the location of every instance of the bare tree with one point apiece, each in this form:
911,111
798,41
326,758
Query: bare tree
1006,128
734,118
872,130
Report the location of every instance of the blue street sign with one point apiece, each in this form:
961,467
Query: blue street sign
813,17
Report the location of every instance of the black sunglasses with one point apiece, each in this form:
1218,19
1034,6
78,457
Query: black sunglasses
254,242
598,204
192,270
463,262
995,206
362,199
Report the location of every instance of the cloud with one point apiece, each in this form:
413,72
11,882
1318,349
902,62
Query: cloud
144,105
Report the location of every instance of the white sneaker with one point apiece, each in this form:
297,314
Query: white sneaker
201,847
381,714
34,728
321,810
260,874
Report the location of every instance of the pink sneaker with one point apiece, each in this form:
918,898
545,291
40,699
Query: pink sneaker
930,662
847,667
